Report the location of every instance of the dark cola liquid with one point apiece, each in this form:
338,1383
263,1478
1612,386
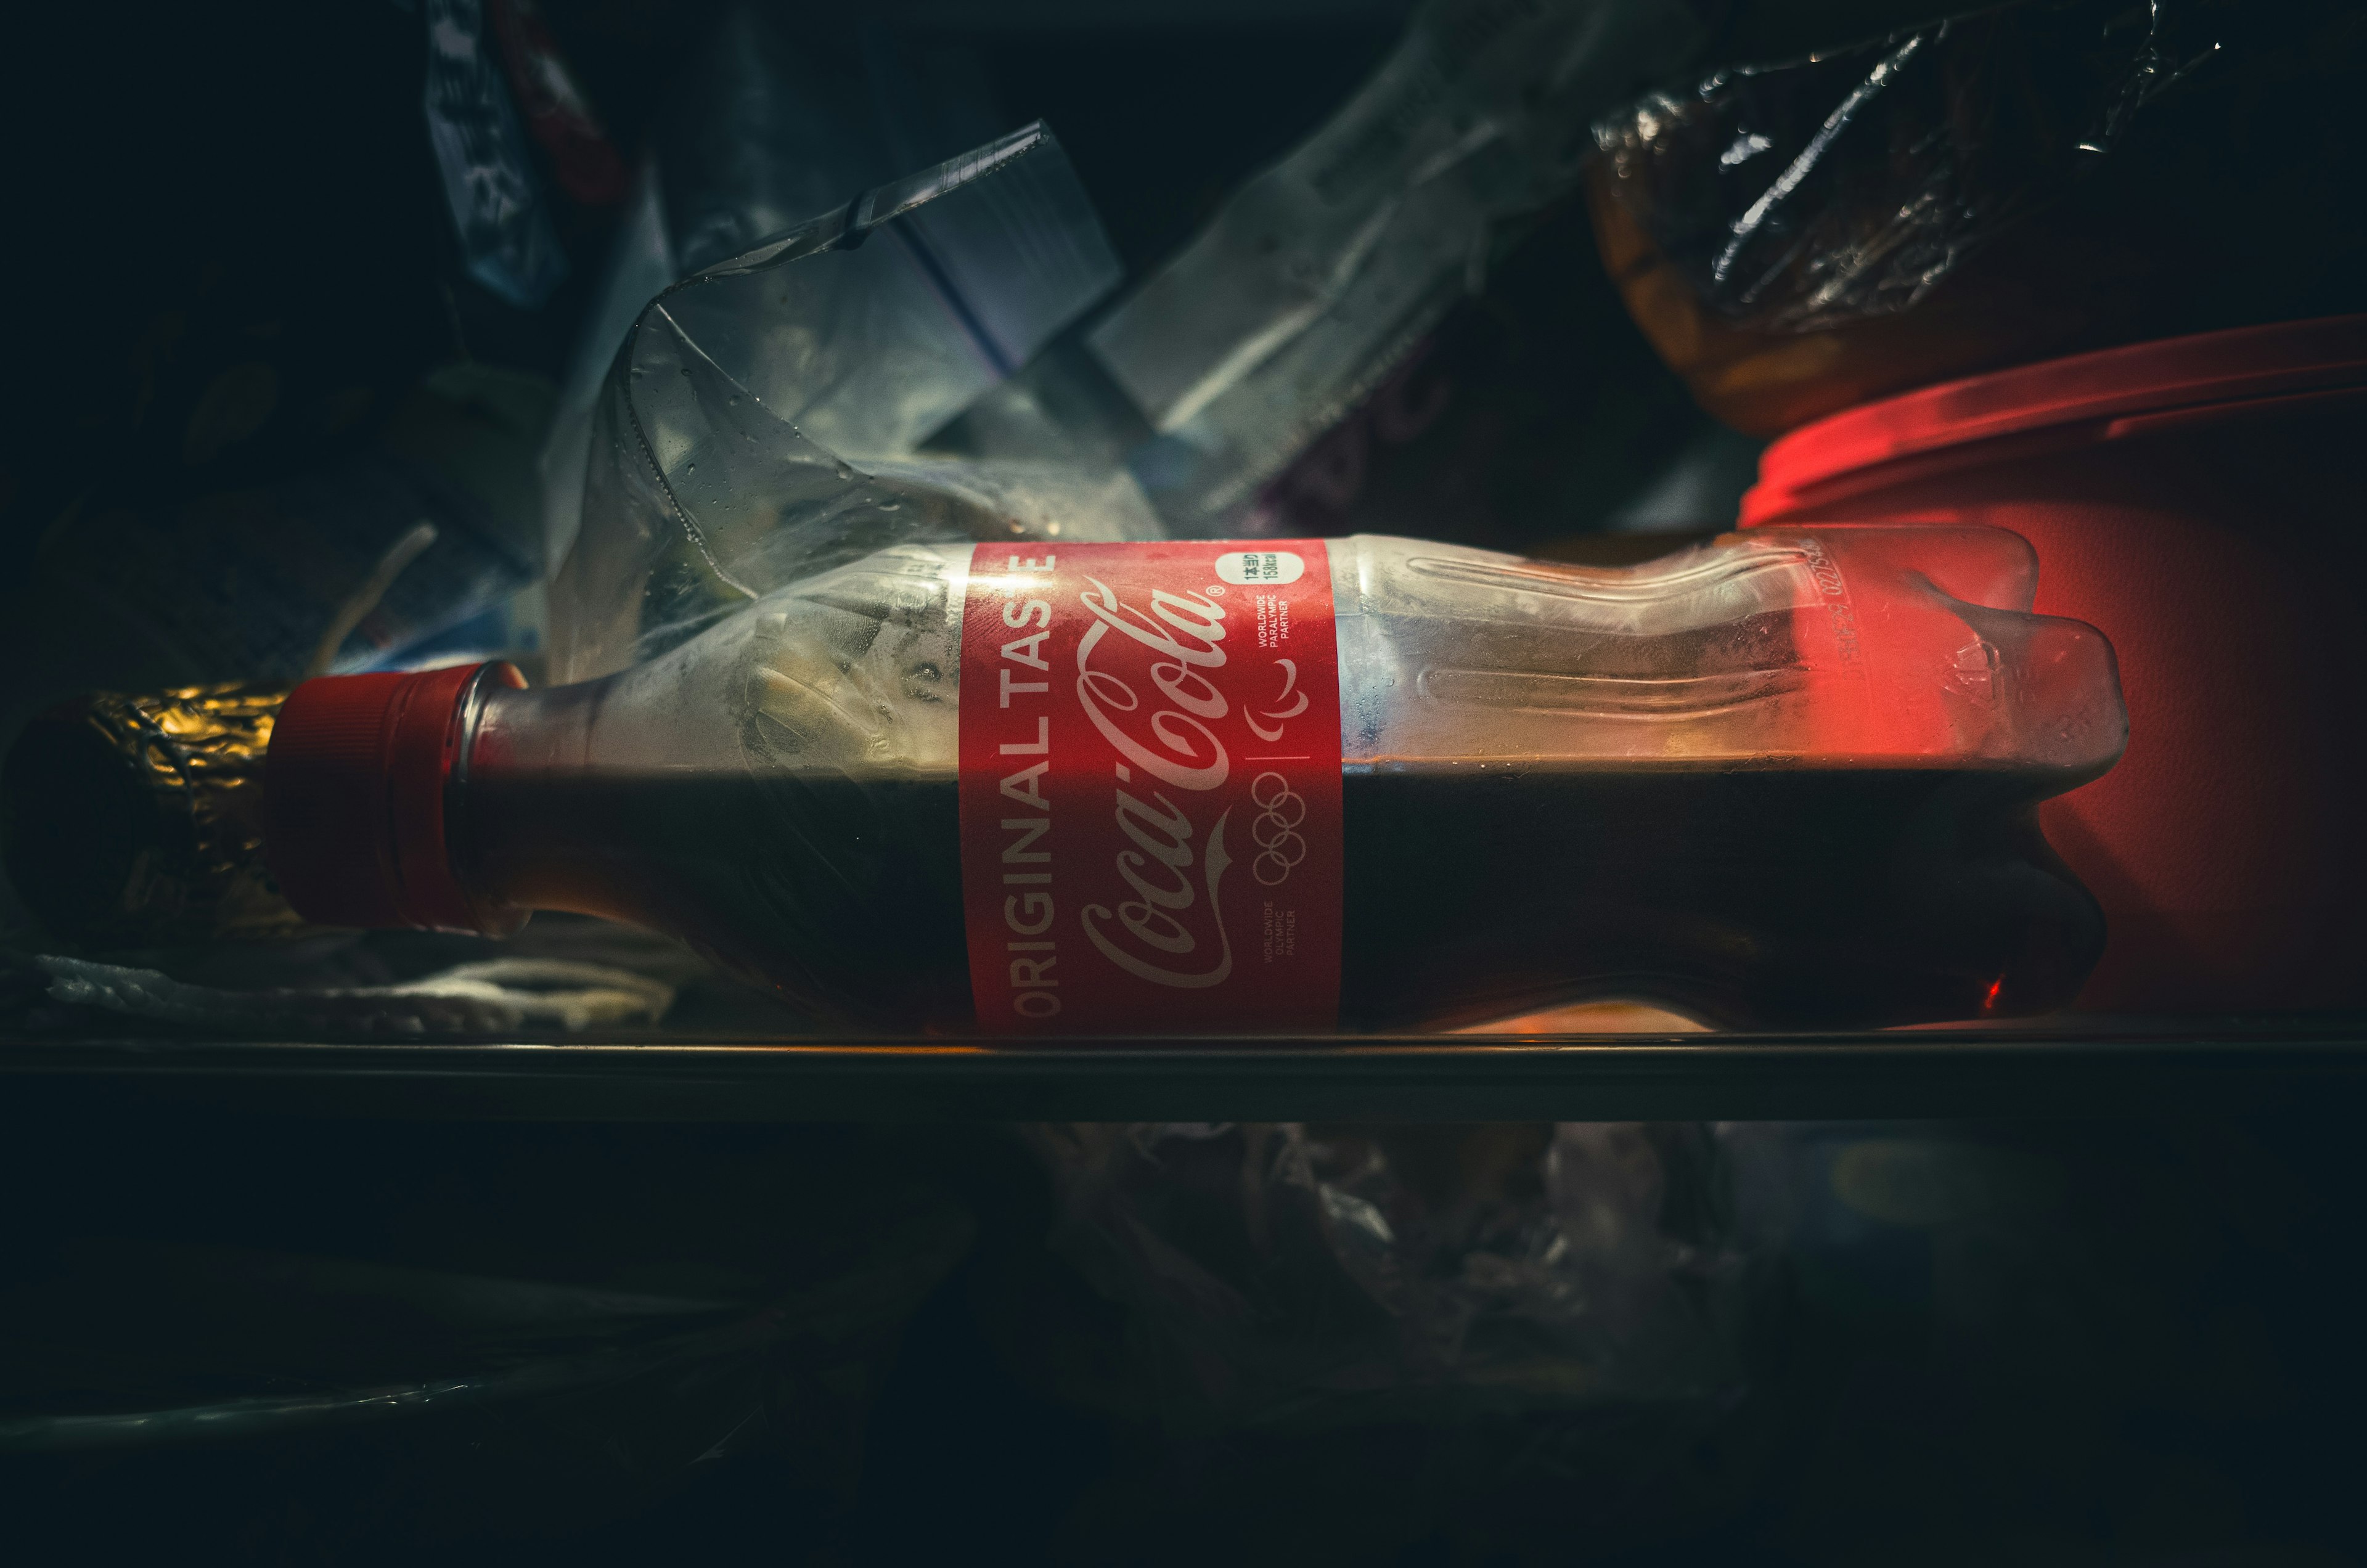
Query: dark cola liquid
1769,898
842,895
1773,898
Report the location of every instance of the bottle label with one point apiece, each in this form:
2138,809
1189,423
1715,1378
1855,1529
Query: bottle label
1151,787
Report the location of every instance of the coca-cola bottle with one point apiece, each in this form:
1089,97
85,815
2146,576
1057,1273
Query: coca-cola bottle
1785,778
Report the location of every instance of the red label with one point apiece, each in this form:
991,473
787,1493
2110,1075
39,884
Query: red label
1151,787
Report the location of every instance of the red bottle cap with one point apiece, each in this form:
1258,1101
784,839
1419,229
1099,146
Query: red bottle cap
353,797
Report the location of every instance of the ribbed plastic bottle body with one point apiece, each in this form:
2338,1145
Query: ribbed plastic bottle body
1780,779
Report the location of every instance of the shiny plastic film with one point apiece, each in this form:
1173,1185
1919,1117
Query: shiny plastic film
1302,1274
1799,196
1320,275
718,468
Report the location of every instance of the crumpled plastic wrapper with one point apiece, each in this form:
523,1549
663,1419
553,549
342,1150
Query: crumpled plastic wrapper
703,493
1320,275
497,995
1803,194
1289,1273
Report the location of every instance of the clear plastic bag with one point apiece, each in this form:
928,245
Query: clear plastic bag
1321,273
715,471
1300,1273
1806,194
772,120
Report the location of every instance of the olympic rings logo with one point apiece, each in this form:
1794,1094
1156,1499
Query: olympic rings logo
1274,831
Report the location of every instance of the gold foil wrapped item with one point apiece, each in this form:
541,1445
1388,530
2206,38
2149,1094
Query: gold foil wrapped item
138,820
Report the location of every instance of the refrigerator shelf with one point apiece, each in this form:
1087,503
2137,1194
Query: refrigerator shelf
2168,1069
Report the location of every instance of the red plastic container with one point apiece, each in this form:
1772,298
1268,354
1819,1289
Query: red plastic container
2200,500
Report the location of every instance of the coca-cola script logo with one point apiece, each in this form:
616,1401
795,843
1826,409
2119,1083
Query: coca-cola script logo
1161,935
1150,788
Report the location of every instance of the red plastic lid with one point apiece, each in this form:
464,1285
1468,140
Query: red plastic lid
2100,396
353,797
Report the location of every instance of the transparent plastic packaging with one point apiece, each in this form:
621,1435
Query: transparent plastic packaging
1324,271
1785,778
868,347
716,468
772,120
1301,1274
2004,186
1809,193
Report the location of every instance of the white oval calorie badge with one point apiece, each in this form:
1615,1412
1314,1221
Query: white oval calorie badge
1261,567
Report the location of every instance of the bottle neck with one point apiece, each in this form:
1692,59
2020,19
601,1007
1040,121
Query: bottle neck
458,800
527,825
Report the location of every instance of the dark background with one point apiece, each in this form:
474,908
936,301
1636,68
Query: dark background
2120,1344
